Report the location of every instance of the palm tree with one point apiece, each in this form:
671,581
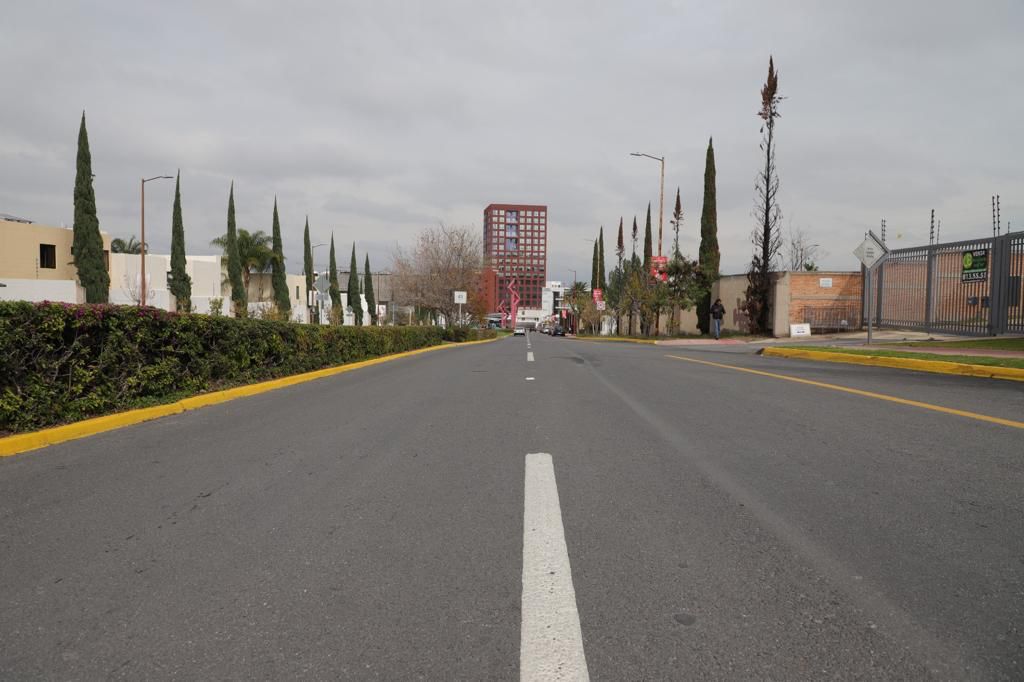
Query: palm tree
121,246
255,252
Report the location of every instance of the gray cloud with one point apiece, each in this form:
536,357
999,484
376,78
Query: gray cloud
377,119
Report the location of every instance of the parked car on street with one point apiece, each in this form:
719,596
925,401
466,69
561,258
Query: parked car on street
557,330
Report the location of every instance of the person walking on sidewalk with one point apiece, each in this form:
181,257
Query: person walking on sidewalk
717,313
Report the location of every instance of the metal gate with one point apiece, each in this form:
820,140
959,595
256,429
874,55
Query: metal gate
939,288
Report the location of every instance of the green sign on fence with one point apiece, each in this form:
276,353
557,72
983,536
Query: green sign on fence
975,266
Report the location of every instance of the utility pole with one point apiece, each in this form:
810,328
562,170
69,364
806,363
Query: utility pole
142,246
994,234
931,230
883,231
661,195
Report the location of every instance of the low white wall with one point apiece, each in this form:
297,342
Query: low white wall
61,290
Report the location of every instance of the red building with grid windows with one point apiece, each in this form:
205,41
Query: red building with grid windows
515,249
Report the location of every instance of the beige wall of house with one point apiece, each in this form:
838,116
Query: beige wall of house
34,251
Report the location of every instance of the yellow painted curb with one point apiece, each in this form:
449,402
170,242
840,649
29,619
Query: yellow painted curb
23,442
598,338
937,366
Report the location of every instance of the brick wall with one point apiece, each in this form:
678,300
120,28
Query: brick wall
825,306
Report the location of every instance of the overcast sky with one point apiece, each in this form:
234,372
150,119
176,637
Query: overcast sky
378,118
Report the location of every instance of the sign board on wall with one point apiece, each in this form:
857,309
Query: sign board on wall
975,266
799,330
825,282
460,296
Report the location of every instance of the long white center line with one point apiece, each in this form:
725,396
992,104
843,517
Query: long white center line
529,357
551,642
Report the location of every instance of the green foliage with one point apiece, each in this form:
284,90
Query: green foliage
179,282
130,245
239,297
708,256
62,362
371,301
462,334
279,278
594,265
353,289
307,259
332,278
87,244
601,267
648,252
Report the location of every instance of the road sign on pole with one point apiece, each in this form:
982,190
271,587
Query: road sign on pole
871,252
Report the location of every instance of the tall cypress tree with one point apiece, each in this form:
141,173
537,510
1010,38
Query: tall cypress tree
633,258
677,224
371,300
279,279
239,297
307,260
708,256
87,243
647,241
180,283
593,267
353,289
620,246
332,277
601,283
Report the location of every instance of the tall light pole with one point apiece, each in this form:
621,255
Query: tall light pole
142,250
312,257
661,197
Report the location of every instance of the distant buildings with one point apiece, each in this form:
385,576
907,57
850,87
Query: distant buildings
515,252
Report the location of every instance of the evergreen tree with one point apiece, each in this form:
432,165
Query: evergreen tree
677,223
767,238
600,259
620,246
239,296
307,260
353,289
593,267
87,243
371,301
647,241
279,278
332,278
180,283
635,233
708,256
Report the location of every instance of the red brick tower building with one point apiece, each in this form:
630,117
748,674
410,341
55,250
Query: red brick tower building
515,249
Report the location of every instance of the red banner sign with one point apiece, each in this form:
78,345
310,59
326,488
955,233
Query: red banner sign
597,294
659,268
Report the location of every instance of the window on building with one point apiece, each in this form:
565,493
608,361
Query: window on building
48,256
296,292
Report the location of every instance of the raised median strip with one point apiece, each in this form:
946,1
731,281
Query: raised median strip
24,442
916,364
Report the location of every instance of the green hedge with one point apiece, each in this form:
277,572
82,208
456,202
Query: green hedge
460,334
62,362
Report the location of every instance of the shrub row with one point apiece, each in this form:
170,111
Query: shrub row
62,362
460,334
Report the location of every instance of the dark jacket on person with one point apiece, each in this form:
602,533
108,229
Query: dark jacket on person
718,311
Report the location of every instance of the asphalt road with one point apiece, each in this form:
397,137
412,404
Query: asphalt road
719,524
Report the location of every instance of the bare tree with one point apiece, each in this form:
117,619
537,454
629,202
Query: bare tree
443,260
766,237
801,253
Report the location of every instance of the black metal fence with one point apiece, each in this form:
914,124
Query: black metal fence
971,287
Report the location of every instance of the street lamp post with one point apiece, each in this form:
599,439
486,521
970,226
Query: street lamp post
661,196
312,252
142,246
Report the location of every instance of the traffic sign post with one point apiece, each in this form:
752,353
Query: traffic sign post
460,298
871,253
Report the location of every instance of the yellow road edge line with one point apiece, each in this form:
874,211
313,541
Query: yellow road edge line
590,338
867,394
25,442
936,366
